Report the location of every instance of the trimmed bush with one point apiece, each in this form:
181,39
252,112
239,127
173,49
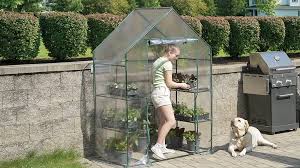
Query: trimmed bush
215,31
244,35
194,23
64,34
272,32
100,26
292,33
19,36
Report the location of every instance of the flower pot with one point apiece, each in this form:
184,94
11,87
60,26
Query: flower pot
204,116
191,145
121,156
142,143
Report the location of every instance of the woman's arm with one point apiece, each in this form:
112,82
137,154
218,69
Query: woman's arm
171,84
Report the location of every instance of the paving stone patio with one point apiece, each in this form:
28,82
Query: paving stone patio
287,155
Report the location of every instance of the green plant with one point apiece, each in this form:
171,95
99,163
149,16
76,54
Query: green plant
292,33
58,158
272,32
187,7
21,5
267,7
100,26
244,35
193,23
190,135
133,114
120,143
67,5
64,34
182,109
215,31
19,36
117,7
231,8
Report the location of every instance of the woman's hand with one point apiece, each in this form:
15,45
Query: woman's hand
185,86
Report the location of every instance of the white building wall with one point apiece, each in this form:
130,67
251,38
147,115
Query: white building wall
286,12
284,2
280,2
294,2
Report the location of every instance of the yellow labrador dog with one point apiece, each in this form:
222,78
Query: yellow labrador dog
245,138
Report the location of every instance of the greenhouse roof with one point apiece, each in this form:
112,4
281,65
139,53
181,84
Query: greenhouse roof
156,25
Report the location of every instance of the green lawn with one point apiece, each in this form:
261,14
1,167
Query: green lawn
57,159
43,53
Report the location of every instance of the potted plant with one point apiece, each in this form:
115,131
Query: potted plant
175,138
142,136
119,149
108,118
132,89
186,78
119,89
132,119
183,113
202,115
192,139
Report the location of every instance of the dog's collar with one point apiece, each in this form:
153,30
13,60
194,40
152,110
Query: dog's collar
244,134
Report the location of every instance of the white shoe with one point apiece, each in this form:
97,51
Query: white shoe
157,150
164,149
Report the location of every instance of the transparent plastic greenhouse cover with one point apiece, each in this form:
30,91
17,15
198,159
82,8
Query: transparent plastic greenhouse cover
167,41
136,27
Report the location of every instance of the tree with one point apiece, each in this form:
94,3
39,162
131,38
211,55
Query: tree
10,4
21,5
187,7
231,7
67,5
267,6
211,7
148,3
117,7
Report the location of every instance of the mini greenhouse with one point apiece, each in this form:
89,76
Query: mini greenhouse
122,83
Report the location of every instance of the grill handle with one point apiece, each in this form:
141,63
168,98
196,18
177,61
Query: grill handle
285,96
287,68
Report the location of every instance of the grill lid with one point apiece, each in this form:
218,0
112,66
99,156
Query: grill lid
271,62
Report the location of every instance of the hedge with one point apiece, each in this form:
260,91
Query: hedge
292,33
194,23
100,26
272,33
215,31
64,34
19,36
244,35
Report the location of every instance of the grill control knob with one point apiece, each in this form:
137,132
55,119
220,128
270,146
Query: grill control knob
288,82
279,83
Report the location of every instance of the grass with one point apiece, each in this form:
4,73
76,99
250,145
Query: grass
57,159
43,53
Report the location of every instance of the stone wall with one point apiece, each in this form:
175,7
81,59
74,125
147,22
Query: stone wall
49,106
45,107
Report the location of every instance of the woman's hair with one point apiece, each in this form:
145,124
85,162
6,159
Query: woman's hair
170,48
160,50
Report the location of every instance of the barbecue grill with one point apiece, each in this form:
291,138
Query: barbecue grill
270,83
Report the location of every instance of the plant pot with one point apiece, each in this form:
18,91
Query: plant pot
142,143
204,116
191,145
175,141
132,93
121,156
